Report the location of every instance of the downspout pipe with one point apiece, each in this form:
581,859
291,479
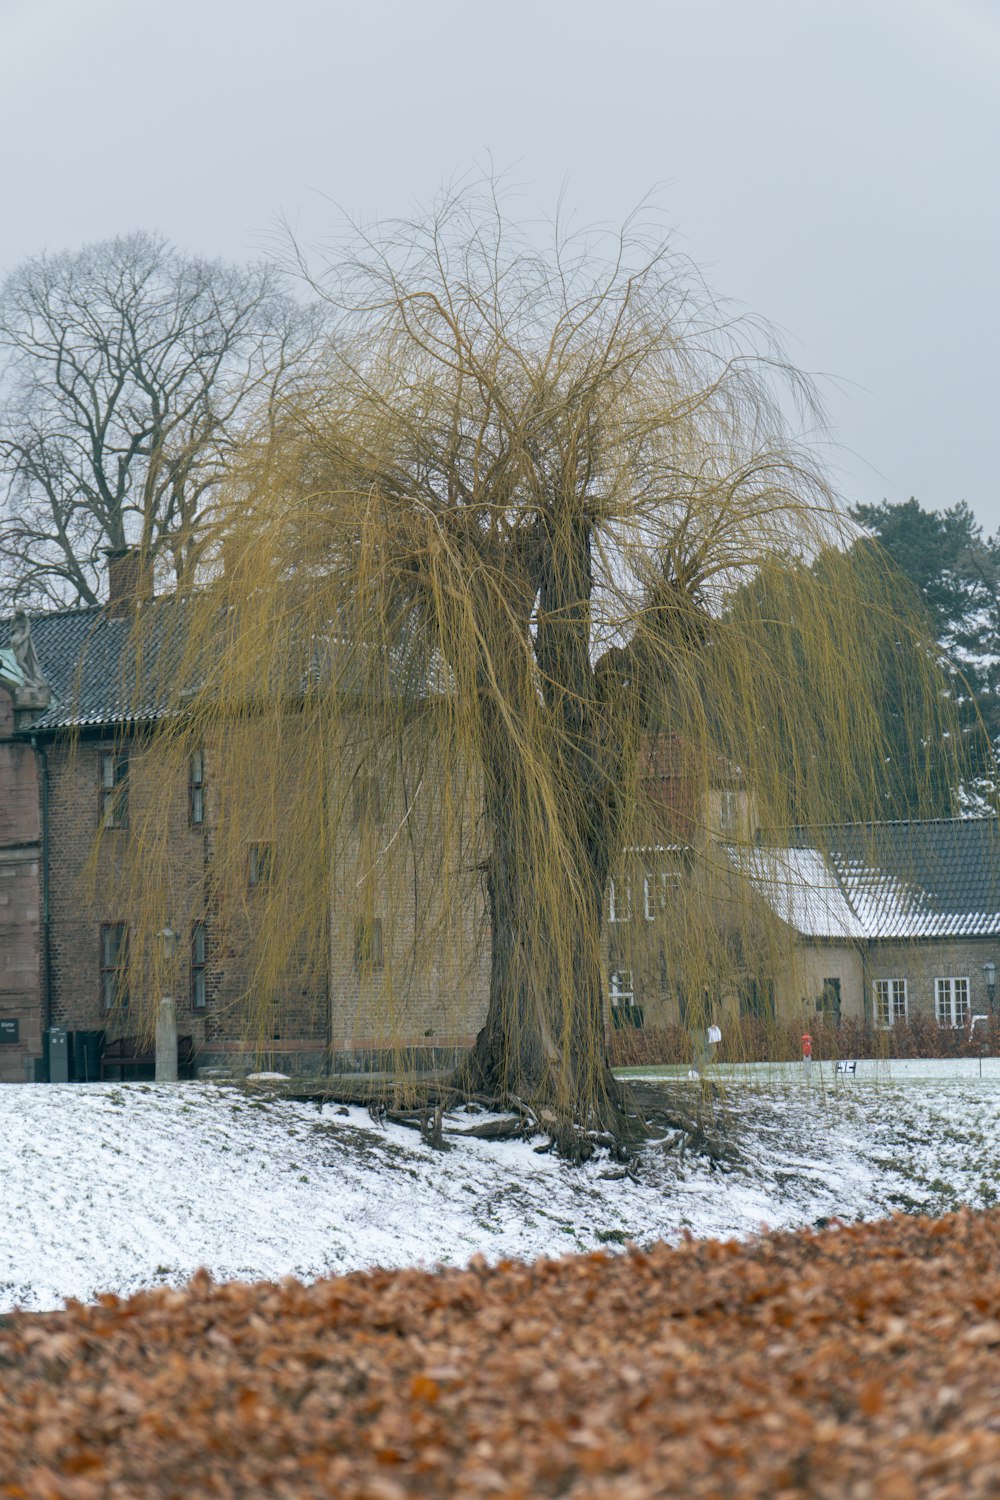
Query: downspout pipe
46,976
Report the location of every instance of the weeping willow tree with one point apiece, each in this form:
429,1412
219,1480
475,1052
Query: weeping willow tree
469,642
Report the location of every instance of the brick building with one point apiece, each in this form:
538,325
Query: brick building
894,920
21,894
79,776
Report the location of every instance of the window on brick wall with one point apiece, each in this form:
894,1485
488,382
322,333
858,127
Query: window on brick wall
656,888
951,1001
620,900
259,866
112,771
196,789
114,964
368,956
891,1002
198,952
621,998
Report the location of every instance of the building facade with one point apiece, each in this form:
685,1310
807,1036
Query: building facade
884,923
896,921
21,895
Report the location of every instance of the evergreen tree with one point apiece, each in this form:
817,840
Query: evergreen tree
956,572
911,762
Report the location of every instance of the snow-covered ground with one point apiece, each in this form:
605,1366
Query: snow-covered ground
114,1187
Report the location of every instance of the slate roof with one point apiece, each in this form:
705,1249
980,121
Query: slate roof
89,661
933,878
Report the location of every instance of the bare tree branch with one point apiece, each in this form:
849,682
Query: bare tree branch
129,372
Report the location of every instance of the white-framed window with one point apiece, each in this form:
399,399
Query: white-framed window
655,885
621,997
620,900
621,991
951,1001
891,1002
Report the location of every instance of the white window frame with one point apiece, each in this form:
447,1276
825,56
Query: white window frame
655,885
888,994
620,988
620,911
953,1001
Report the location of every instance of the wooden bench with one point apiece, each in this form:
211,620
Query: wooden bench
851,1067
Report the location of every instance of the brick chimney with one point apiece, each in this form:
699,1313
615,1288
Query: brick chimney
130,579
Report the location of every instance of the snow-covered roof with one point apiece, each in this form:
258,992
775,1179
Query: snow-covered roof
801,889
931,878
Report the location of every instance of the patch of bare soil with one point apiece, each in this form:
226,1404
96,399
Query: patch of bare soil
862,1361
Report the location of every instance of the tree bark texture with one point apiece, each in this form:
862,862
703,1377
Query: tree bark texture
548,865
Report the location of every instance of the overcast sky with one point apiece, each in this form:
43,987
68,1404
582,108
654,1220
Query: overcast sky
831,164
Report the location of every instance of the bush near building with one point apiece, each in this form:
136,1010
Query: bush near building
781,1041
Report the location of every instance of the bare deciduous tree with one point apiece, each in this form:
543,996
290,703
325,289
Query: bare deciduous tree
129,371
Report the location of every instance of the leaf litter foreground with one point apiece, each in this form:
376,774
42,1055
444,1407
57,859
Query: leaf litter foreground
861,1361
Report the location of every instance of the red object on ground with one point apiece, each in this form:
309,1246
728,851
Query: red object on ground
807,1045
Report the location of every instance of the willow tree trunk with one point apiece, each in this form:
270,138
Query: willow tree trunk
543,1038
549,862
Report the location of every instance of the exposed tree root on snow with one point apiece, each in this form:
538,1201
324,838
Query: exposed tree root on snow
640,1119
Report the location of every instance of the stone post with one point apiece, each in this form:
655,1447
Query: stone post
166,1042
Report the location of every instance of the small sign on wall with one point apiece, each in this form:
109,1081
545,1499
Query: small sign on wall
9,1030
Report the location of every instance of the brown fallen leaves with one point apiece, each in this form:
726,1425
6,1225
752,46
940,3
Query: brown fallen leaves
860,1362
